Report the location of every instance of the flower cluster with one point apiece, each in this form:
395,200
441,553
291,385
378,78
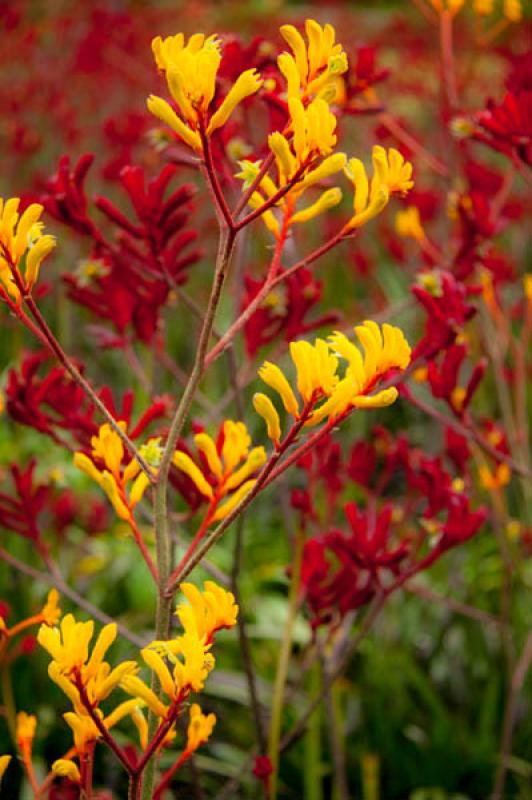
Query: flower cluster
226,468
23,248
318,379
190,70
182,665
106,466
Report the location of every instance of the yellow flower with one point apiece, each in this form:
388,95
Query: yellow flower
391,174
25,731
200,727
512,10
66,768
317,372
408,223
494,480
21,239
483,7
230,462
266,409
297,162
106,468
206,612
190,70
4,764
83,728
51,611
181,665
69,647
312,70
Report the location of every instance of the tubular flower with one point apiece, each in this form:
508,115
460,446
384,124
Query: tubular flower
227,465
25,732
200,727
66,768
408,223
317,376
391,174
314,138
311,70
72,668
206,612
190,70
21,241
182,665
106,468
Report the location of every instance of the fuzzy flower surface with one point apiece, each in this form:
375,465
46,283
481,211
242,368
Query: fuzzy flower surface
318,378
190,69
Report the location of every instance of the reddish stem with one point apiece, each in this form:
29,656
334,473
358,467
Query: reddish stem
223,209
166,779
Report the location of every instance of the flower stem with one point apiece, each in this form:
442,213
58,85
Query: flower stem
283,662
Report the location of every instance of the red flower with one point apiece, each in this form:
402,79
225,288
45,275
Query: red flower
447,310
53,404
509,123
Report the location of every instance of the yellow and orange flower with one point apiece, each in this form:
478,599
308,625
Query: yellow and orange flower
190,70
22,244
226,469
391,175
106,467
312,69
318,378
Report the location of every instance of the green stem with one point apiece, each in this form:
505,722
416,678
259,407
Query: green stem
283,662
162,533
313,789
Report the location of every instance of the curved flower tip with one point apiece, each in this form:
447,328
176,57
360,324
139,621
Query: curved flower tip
391,175
207,611
66,768
311,68
51,611
25,730
266,409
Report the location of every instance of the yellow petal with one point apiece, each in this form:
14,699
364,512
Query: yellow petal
266,409
163,111
184,463
245,85
230,504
